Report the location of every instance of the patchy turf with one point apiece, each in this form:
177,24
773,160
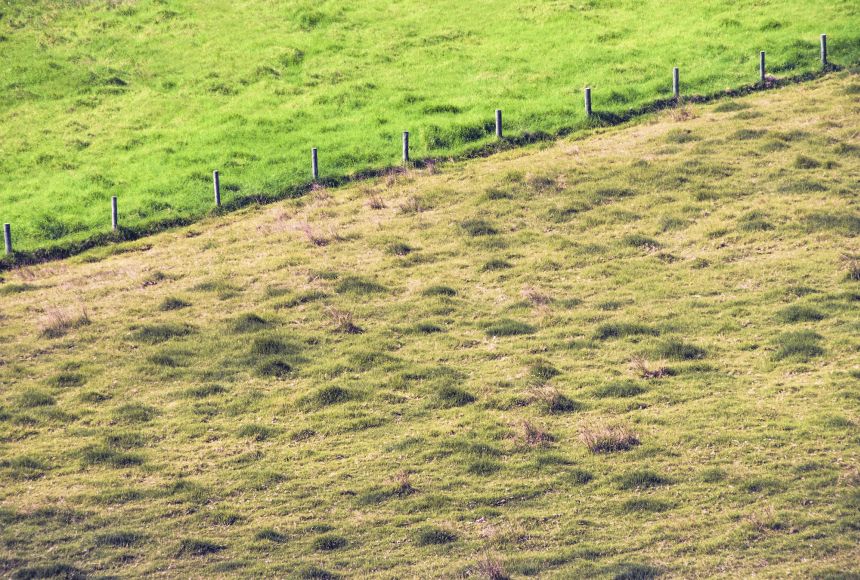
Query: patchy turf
663,377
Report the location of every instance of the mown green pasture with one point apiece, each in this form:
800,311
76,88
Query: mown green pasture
143,99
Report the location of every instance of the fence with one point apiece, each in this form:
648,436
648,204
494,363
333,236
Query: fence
315,171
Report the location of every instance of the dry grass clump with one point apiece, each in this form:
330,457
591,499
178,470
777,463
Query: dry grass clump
491,568
646,370
533,435
343,321
852,264
683,112
375,201
313,236
402,484
58,321
535,296
411,205
607,438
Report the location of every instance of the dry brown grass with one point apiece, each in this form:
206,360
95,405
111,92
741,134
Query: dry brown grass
491,568
343,321
411,205
646,370
375,201
606,438
312,235
852,265
683,112
535,296
534,436
58,321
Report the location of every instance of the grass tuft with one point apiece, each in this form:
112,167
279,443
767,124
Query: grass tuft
798,346
508,327
608,438
431,536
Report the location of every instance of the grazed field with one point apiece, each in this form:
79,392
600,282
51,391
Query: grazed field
401,378
143,99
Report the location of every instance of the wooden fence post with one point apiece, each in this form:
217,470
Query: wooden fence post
216,182
315,167
676,85
406,147
114,222
824,50
587,101
498,123
7,238
761,66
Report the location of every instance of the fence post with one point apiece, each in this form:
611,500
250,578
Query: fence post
114,222
676,85
216,181
761,66
406,147
7,238
498,123
587,101
824,50
315,167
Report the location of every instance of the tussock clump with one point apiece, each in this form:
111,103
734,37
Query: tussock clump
491,568
399,249
478,227
173,303
533,435
257,432
103,455
135,413
302,298
646,370
343,321
542,371
193,547
203,391
607,438
644,504
58,322
249,322
271,535
31,398
799,346
158,333
642,478
445,291
677,350
330,395
640,241
400,487
805,162
65,380
496,264
535,296
798,313
852,265
313,236
375,201
431,536
622,329
329,543
119,539
269,345
275,368
508,327
579,476
619,389
358,285
450,396
412,205
427,328
553,402
681,136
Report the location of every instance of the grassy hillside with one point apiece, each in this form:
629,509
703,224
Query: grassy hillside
144,98
630,355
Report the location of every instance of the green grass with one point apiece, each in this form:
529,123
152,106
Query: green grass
597,409
144,99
